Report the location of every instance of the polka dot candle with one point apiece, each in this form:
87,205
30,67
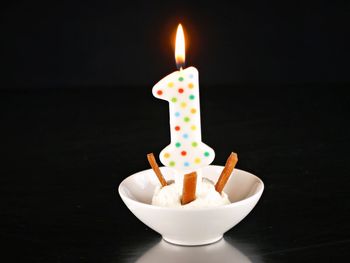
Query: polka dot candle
186,151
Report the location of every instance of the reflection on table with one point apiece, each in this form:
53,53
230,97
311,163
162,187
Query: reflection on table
221,251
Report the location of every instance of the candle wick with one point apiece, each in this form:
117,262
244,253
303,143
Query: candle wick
180,66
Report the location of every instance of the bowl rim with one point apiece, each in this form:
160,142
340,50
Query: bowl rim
150,206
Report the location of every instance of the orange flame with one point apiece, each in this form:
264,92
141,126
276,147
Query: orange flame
180,47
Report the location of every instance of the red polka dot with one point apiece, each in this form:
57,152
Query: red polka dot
183,153
181,90
177,128
159,92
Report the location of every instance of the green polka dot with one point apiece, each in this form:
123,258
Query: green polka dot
186,119
178,144
191,97
194,144
172,163
206,154
173,99
181,79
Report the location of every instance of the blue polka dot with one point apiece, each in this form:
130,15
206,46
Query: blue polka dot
191,76
177,114
186,164
185,135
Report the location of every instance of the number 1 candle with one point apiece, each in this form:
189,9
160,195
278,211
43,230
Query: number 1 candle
186,150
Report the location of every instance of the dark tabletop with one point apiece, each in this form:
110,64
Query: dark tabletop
65,151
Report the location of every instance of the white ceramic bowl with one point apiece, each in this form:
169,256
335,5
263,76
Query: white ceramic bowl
197,226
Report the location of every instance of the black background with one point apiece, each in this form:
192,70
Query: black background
113,43
77,117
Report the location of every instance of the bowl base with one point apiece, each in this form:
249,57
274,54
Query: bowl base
192,243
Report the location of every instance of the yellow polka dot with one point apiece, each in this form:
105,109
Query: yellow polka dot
197,160
171,84
193,110
190,85
193,127
183,104
166,155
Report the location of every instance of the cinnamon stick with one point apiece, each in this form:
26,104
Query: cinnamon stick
152,161
226,172
189,188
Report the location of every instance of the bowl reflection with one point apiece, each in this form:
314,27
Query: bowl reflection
221,251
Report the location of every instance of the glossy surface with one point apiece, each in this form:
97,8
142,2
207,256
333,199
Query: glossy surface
191,226
65,151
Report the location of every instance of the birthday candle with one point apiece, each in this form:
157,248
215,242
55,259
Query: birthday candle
186,150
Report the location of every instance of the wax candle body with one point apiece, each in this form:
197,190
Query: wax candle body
186,151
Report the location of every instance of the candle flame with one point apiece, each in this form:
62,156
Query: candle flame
180,47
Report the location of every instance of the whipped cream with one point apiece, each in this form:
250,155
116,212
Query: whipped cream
206,196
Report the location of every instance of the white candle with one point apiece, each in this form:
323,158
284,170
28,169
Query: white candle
186,151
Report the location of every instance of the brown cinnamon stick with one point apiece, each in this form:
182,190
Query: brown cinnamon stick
189,188
226,172
152,161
